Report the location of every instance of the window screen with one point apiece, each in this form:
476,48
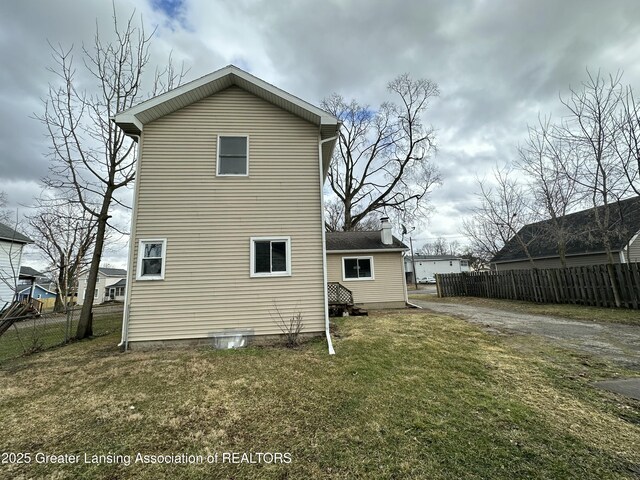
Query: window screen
232,156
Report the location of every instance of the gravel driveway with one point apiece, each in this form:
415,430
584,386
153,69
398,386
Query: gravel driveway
620,343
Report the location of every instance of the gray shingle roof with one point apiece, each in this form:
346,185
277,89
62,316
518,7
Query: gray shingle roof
30,272
437,257
583,236
120,283
8,233
360,241
113,272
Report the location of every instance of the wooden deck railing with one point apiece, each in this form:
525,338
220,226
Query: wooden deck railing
339,294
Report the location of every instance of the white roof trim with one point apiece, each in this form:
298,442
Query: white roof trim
28,287
130,116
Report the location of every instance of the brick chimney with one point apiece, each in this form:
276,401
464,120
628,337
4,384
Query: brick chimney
385,232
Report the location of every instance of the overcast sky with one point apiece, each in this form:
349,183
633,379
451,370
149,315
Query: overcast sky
498,64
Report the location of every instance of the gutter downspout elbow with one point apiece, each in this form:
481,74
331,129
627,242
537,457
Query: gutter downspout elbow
324,246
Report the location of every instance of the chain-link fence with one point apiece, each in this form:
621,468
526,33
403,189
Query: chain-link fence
30,334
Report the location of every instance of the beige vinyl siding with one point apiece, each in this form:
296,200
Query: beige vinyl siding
208,221
387,285
572,261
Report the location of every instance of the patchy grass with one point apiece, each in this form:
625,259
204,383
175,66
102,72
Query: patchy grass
408,395
47,331
574,312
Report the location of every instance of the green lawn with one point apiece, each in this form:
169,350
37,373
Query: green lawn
574,312
408,395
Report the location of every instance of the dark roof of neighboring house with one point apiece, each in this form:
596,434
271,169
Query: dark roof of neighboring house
436,257
360,241
583,237
120,283
30,272
8,233
113,272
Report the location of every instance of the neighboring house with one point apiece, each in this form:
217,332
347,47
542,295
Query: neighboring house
428,265
228,197
584,245
109,286
31,275
370,265
11,245
38,292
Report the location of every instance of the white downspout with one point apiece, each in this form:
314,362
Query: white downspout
127,291
324,247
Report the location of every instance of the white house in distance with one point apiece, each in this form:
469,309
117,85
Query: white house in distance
110,286
11,245
428,265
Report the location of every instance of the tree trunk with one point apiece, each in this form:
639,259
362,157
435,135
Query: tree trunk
61,295
85,323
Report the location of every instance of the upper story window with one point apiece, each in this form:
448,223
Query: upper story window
233,156
357,268
151,259
270,257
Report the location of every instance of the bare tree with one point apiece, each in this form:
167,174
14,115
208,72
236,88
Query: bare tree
593,128
441,246
4,213
92,160
65,234
628,144
382,160
550,162
502,212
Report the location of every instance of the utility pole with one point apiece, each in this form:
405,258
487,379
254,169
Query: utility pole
413,264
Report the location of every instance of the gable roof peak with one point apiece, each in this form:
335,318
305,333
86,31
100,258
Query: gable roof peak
132,120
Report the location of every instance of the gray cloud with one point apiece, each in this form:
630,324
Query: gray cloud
497,63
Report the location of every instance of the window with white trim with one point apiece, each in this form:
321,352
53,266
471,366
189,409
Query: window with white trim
233,156
151,259
270,257
357,268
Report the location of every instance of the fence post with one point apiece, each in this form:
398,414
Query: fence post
438,287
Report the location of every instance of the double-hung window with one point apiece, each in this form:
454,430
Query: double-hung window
233,156
270,256
151,259
357,268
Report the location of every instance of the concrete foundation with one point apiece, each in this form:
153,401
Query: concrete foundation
253,340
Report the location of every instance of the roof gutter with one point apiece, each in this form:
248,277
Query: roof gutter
369,250
324,243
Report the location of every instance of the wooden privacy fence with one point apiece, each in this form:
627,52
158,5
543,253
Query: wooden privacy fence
594,285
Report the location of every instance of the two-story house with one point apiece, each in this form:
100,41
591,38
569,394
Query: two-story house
228,197
110,286
12,243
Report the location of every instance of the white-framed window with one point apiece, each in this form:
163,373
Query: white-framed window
152,255
233,156
95,293
357,268
270,256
